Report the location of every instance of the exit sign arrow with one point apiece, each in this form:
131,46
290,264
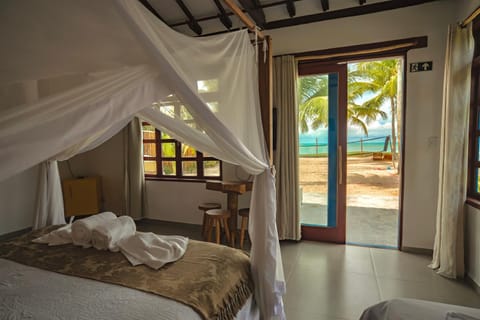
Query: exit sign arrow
421,66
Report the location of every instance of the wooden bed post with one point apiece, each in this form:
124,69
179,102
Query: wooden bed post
265,88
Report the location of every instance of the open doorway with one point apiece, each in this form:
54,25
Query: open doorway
367,142
373,152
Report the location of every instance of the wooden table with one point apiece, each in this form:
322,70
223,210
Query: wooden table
232,189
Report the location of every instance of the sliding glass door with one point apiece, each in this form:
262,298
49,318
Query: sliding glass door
322,119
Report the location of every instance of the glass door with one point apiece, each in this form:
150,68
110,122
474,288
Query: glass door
322,119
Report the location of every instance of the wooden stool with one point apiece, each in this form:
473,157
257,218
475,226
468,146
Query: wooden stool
205,207
244,213
217,217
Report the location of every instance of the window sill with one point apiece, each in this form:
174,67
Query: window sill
473,202
203,180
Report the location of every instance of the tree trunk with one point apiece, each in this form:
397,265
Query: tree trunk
399,135
394,135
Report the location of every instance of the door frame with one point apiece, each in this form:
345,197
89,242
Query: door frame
335,234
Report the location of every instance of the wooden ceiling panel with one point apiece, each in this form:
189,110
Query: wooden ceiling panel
213,16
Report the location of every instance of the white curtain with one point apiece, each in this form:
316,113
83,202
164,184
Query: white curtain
204,91
448,253
49,207
134,176
286,156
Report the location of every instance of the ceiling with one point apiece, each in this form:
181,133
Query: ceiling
205,17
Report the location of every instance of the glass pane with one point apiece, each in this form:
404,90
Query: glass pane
150,149
165,136
150,166
189,168
188,152
478,148
210,85
476,182
313,122
478,119
213,106
169,168
168,149
148,131
211,168
185,114
168,110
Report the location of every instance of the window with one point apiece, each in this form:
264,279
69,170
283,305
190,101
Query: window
474,142
167,158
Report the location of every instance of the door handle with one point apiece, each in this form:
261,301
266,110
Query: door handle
340,165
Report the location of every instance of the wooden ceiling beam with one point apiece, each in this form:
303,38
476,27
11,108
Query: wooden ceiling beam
325,5
291,8
244,18
343,13
224,18
192,22
150,8
263,6
255,11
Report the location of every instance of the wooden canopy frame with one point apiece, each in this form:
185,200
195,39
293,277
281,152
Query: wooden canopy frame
244,18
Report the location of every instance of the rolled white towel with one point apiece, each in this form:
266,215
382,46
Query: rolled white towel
82,229
62,235
106,235
152,249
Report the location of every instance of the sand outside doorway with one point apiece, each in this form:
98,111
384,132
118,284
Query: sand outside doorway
372,198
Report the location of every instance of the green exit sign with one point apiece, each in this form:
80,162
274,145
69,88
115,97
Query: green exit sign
421,66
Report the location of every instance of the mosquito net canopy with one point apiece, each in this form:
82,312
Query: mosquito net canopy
124,63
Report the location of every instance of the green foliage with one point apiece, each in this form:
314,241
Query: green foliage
375,77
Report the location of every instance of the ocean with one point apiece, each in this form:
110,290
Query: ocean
310,145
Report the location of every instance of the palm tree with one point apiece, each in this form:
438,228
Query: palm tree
313,104
379,78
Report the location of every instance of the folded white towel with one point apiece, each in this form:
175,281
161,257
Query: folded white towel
82,229
152,249
106,235
62,235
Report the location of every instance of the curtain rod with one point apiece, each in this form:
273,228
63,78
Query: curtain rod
243,17
366,51
471,17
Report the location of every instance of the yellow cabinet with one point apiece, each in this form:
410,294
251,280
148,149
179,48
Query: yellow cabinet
81,196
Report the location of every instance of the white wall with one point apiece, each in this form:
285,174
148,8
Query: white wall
423,93
178,201
107,162
17,201
472,244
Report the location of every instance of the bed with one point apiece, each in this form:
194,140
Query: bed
413,309
68,282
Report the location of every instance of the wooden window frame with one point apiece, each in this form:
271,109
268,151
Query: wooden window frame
178,159
473,194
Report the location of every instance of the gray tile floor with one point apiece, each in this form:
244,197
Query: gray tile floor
365,225
336,282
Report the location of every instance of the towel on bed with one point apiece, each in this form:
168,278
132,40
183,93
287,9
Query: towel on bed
152,249
62,235
106,235
82,229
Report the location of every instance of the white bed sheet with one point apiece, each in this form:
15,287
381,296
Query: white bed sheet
413,309
31,293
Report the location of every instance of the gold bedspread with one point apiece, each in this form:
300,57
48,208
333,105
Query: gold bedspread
213,280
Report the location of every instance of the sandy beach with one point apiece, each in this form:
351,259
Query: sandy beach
365,177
